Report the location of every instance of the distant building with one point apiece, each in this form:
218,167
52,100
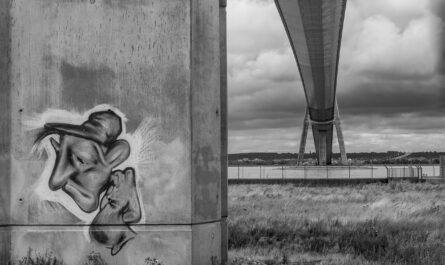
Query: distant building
258,161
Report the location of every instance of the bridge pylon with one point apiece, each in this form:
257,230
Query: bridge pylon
322,140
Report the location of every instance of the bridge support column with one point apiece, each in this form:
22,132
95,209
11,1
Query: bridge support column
111,145
323,142
303,138
322,138
341,142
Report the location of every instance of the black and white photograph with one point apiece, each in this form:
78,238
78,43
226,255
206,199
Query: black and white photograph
222,132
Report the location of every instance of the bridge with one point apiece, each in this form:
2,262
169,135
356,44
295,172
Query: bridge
314,29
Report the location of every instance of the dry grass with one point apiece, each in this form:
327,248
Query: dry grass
397,223
94,258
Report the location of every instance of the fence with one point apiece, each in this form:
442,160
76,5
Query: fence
331,172
302,172
404,172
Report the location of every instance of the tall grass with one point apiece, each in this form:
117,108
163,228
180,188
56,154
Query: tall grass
401,223
33,258
48,258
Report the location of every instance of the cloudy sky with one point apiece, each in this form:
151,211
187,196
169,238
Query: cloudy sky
391,80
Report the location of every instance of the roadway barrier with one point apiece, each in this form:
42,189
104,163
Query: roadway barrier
404,172
325,175
309,182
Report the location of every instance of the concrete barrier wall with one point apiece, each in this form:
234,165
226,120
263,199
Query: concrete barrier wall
309,182
404,172
110,131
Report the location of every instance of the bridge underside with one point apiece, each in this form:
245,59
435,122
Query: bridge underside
314,29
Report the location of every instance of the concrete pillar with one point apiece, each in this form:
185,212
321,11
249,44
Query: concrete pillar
303,138
224,147
341,142
111,145
323,141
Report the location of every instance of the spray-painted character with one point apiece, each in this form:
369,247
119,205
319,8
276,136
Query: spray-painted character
120,207
85,156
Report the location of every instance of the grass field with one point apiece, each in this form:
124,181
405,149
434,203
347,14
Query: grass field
396,223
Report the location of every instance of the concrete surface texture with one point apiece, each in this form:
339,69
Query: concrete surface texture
110,135
224,134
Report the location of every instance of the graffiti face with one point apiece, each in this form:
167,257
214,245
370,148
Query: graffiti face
85,162
119,206
83,167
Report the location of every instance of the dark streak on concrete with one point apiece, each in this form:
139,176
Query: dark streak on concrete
207,183
50,212
223,104
5,125
48,62
83,85
224,131
124,4
66,1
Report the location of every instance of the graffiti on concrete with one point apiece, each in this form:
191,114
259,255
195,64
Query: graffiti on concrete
88,161
85,156
119,206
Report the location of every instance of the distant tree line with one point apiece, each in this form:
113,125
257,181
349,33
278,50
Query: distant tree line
389,157
427,155
313,155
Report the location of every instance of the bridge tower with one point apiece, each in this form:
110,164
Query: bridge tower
337,124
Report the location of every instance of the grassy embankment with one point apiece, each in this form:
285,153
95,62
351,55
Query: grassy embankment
396,223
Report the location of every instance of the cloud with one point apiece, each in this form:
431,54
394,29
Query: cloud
253,27
389,98
404,132
274,65
263,140
379,48
401,12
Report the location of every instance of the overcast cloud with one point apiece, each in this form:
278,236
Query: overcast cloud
391,79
